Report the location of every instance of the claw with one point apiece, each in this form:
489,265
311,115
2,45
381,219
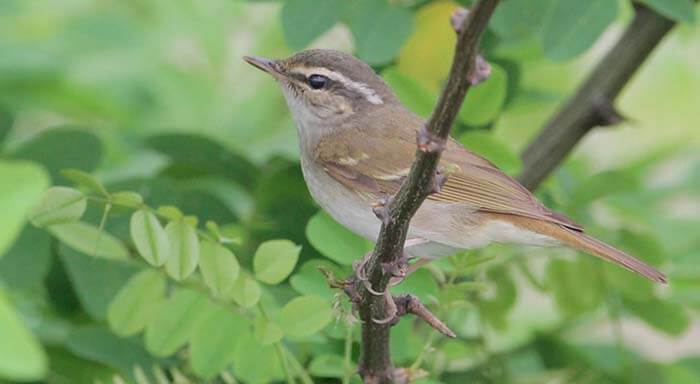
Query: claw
391,309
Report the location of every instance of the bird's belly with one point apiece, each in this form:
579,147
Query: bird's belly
343,205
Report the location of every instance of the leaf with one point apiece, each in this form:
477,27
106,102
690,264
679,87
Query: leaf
267,332
246,291
6,122
184,248
218,266
602,184
21,355
426,56
150,238
95,281
484,101
127,199
27,262
411,94
255,363
305,20
327,365
59,205
493,149
680,10
176,321
663,315
274,260
21,187
85,180
517,20
575,284
88,239
497,307
379,29
136,303
214,342
420,283
97,343
573,26
170,212
62,148
304,316
335,241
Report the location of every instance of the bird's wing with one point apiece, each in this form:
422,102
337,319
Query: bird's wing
356,159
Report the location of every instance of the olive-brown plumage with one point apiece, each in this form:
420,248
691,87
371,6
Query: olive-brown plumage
358,143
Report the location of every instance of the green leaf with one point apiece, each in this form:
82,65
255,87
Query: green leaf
335,241
62,148
379,29
85,180
267,332
493,149
497,307
680,10
184,248
484,101
95,281
88,239
304,316
310,281
255,363
127,199
246,291
136,303
170,212
274,260
176,321
59,205
6,122
21,187
305,20
214,342
218,266
411,94
27,262
576,284
21,355
327,365
573,26
517,20
420,283
150,238
600,185
663,315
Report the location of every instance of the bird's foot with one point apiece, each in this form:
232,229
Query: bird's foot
361,274
392,312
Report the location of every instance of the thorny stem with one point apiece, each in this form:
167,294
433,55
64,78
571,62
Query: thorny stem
375,362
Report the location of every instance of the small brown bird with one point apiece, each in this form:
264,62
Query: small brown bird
358,143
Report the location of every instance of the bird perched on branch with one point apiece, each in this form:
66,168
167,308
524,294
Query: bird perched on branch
358,143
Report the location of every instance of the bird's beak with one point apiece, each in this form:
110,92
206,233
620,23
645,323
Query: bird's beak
264,64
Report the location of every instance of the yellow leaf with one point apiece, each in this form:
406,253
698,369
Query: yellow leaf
427,55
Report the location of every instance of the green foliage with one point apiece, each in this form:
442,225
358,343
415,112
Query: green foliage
178,239
573,26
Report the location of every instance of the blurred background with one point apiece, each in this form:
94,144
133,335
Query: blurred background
152,96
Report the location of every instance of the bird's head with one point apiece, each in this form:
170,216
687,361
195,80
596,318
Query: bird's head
324,88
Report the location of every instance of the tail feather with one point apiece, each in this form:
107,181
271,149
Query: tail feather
581,241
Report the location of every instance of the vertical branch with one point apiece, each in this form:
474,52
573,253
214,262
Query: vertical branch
375,363
592,105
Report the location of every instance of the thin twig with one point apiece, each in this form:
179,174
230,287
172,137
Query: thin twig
375,363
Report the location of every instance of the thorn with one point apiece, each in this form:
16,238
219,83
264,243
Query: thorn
411,304
606,114
429,142
457,18
381,210
481,71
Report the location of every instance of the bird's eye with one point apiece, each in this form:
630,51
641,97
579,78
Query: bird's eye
317,81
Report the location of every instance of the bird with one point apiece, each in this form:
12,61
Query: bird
357,144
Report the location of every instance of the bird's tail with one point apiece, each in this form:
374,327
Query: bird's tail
581,241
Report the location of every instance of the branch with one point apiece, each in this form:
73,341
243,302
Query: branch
593,104
375,362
